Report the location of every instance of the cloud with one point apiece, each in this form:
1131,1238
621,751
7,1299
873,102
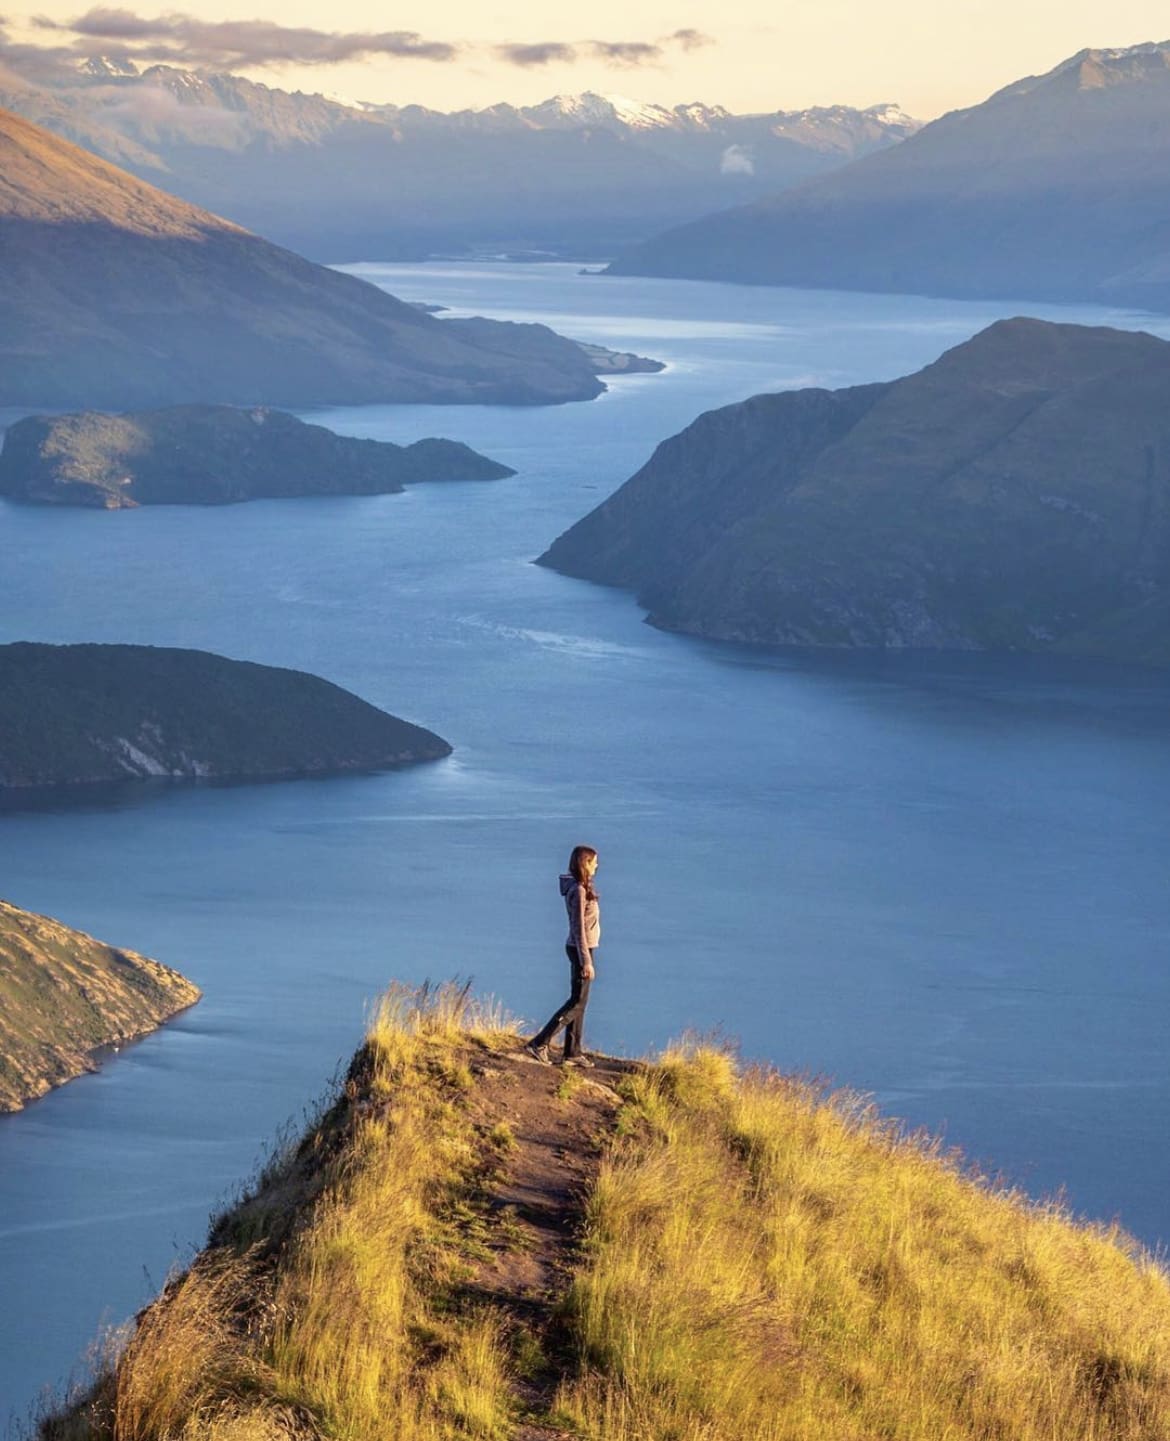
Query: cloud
629,53
689,39
108,24
236,44
33,64
543,52
131,108
737,160
187,40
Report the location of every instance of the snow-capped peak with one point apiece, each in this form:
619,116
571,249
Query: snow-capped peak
593,109
102,67
699,116
335,97
892,115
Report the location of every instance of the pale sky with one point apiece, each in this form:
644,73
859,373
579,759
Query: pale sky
926,55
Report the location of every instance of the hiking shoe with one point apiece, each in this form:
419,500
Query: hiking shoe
539,1053
581,1060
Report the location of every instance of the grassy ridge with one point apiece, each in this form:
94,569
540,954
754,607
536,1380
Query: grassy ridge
320,1306
770,1263
758,1261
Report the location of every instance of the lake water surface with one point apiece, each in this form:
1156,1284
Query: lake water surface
938,879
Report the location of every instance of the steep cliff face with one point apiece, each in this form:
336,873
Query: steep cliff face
1014,495
64,996
212,455
83,714
117,296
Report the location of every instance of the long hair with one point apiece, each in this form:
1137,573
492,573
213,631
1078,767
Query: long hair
577,869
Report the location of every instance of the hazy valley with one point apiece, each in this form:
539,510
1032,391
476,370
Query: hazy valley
575,175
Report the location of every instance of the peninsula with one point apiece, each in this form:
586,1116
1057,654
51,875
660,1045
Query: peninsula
117,296
65,996
212,455
1014,496
77,715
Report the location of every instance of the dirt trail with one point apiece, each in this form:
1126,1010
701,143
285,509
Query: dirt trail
559,1118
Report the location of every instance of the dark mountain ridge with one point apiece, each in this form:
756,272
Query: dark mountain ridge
114,295
1014,495
1055,188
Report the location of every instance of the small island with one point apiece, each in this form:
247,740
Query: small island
64,997
77,715
213,455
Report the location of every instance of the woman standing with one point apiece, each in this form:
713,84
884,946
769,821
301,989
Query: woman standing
584,910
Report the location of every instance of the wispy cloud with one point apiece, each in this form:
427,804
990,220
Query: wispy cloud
183,39
235,44
543,52
627,54
690,39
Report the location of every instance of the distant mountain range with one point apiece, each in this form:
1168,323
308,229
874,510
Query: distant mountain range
580,175
114,295
1056,188
1014,495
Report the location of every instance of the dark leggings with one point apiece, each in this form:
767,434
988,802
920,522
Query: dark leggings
572,1014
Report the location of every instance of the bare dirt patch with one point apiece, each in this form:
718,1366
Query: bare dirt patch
548,1125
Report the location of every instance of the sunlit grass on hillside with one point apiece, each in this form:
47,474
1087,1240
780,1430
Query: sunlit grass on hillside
770,1263
757,1261
323,1305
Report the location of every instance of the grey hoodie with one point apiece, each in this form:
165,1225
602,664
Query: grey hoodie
584,919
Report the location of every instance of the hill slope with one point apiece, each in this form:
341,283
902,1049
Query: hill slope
114,295
1014,495
63,996
82,714
1054,188
577,174
470,1245
212,455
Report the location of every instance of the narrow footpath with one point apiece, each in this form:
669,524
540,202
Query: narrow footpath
558,1118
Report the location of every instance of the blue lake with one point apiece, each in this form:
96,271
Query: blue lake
937,879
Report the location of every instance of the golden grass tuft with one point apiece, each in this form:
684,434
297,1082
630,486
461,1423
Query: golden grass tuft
764,1261
330,1306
